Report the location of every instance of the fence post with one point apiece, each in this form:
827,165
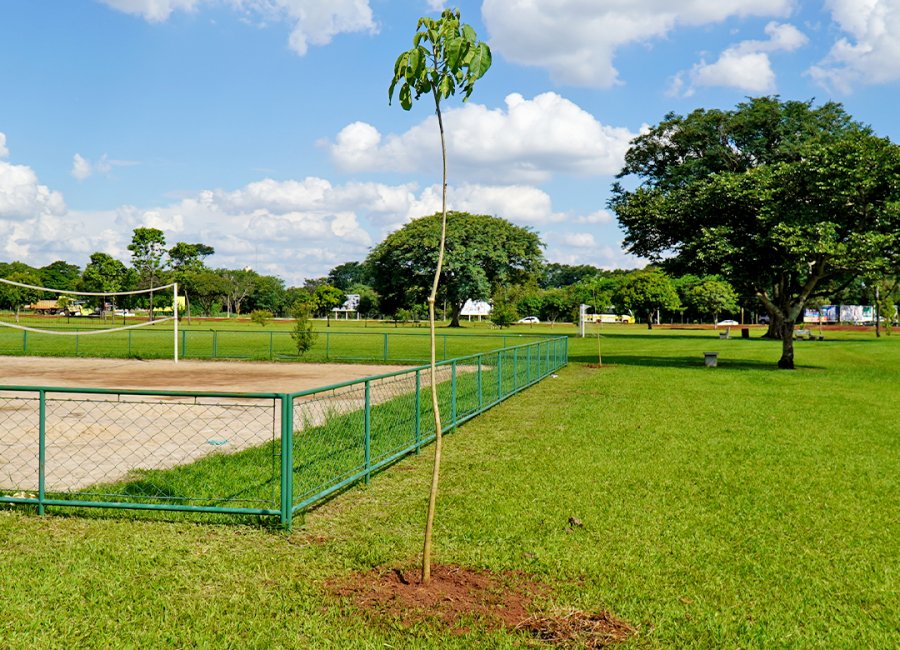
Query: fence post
287,460
445,347
453,394
76,342
515,368
499,375
129,343
24,341
418,410
183,342
480,396
385,351
327,345
368,425
271,347
215,344
42,448
528,373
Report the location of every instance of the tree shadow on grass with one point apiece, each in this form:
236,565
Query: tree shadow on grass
693,361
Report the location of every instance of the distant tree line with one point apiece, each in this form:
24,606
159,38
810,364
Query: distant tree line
488,259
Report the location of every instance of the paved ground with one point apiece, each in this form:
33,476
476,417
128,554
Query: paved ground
93,438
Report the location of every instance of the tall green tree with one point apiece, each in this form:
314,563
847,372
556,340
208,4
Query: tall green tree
711,296
60,275
238,283
346,275
446,56
104,273
148,246
326,298
785,200
15,297
483,253
186,261
646,292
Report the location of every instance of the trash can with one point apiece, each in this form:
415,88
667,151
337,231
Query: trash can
745,332
711,359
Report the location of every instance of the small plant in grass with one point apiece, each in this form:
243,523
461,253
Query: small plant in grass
445,57
302,332
261,317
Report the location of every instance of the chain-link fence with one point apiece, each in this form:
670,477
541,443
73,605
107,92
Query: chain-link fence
267,454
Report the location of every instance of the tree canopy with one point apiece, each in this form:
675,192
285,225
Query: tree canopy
783,199
483,254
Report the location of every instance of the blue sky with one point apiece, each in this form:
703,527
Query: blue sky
262,128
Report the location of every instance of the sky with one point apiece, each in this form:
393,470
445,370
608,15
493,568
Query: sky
262,127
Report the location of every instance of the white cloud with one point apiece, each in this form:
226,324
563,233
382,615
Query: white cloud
81,167
528,142
583,248
154,11
314,22
745,66
293,228
23,197
871,54
4,152
576,40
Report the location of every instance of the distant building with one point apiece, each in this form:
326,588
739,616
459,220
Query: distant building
350,306
477,308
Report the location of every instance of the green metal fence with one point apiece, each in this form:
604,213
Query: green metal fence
270,454
196,343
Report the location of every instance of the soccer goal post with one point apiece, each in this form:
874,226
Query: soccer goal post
67,302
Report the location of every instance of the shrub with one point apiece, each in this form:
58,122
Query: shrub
303,333
261,316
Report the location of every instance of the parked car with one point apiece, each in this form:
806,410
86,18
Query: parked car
728,322
530,320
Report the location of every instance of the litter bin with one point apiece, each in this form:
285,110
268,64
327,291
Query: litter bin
711,359
745,332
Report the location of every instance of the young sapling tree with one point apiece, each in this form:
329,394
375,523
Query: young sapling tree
446,57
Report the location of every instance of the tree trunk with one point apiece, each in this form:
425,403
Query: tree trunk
776,325
455,312
432,366
786,362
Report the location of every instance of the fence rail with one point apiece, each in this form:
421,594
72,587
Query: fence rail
269,454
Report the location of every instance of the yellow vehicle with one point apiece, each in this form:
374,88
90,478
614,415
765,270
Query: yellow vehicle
67,308
609,318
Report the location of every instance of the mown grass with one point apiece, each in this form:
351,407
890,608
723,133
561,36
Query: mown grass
731,507
242,339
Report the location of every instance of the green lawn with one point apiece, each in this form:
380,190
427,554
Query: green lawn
738,506
242,339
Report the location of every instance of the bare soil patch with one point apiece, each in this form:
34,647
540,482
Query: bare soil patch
457,598
244,376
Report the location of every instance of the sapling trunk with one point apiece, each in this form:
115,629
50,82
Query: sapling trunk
436,469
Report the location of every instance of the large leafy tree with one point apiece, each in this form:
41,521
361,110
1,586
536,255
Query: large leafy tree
60,275
148,246
186,261
645,292
14,296
785,200
710,296
483,254
104,273
343,276
446,57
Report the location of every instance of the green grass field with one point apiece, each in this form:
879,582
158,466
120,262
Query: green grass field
737,506
242,339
